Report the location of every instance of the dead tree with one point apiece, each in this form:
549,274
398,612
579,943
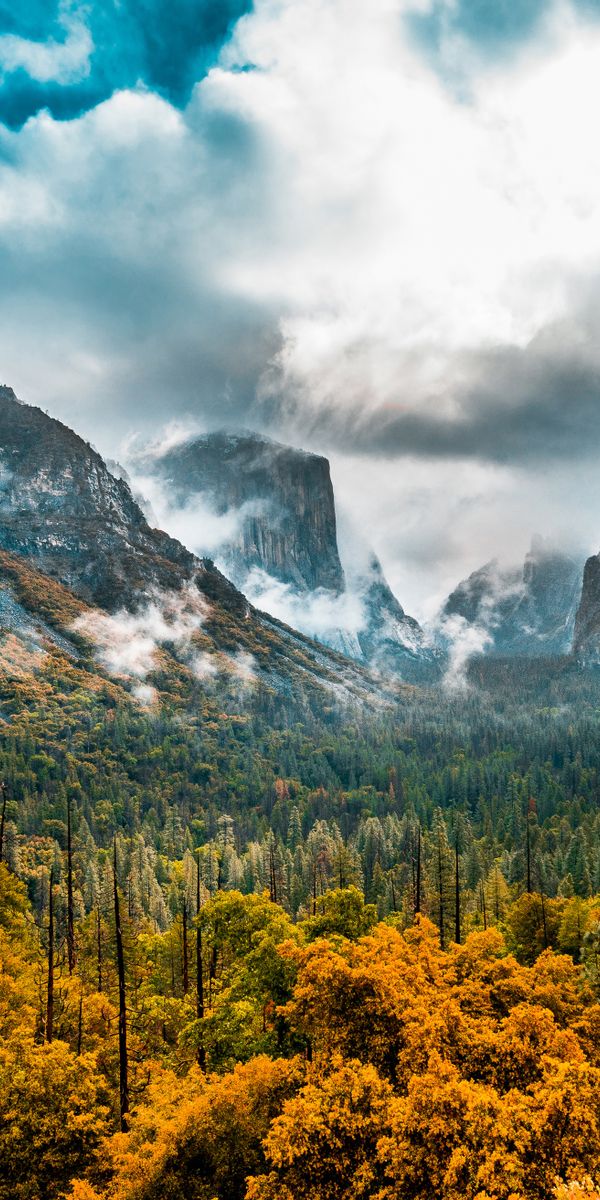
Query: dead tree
70,917
199,973
50,988
123,1064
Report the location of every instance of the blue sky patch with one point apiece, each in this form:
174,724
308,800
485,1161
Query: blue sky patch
165,47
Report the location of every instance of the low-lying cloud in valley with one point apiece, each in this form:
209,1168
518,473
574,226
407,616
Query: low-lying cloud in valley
128,644
321,614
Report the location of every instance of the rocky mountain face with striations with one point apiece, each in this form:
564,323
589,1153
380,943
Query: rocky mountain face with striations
286,529
390,639
528,611
284,498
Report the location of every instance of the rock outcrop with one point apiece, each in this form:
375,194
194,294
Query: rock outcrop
74,541
389,638
586,640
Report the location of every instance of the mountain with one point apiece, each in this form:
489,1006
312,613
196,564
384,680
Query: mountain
70,522
284,497
61,507
527,611
285,530
389,637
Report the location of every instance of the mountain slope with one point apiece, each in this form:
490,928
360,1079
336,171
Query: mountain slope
389,638
61,507
586,642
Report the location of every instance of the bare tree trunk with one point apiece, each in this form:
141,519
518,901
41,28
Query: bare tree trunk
186,976
80,1022
70,918
483,906
441,894
544,924
2,820
272,874
456,893
199,972
528,854
99,945
418,881
123,1064
50,990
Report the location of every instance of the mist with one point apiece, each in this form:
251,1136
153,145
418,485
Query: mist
128,644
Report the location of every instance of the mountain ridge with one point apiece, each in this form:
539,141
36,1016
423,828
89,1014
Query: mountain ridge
298,543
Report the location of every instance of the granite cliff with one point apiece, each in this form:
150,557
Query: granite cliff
586,642
71,523
287,522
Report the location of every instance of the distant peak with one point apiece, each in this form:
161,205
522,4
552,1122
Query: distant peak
7,393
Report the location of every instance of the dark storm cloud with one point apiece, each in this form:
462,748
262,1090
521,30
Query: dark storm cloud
112,311
537,405
164,47
158,360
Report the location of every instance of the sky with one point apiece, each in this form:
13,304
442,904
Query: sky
367,229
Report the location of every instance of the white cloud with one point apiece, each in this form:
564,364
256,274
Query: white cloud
242,666
63,61
464,642
320,614
127,643
195,523
412,225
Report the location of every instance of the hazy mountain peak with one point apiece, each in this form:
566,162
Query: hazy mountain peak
283,498
528,609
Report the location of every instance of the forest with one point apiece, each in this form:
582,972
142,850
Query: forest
250,951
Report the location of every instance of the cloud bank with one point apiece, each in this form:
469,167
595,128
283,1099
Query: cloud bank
367,229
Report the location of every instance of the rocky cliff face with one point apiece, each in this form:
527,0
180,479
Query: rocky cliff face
62,508
389,638
286,513
586,641
527,611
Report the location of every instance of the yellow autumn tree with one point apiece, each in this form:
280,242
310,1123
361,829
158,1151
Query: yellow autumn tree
54,1111
324,1144
197,1138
